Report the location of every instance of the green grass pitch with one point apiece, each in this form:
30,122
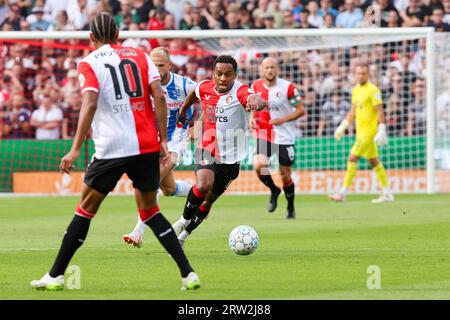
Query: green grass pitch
323,254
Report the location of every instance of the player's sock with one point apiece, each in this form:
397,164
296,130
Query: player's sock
182,189
73,239
350,173
140,227
166,236
289,192
194,199
382,176
267,180
200,214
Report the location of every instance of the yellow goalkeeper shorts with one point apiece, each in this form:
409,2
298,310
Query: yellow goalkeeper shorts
365,147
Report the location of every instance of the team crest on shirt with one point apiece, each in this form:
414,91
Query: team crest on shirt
278,94
229,99
81,79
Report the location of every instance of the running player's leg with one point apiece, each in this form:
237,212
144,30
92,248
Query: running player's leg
224,176
261,165
205,176
286,158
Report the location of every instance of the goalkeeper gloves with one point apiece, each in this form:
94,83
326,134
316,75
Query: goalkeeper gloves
341,129
381,137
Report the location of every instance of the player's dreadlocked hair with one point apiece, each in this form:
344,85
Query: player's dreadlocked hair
104,28
226,59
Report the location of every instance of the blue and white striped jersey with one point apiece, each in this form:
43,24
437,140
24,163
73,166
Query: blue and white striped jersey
175,92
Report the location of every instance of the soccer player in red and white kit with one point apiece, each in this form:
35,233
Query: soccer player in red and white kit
225,103
274,128
116,83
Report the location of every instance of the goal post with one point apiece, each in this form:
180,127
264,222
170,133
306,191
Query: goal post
320,62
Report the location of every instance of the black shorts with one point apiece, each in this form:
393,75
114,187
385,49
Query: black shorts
143,169
224,173
285,152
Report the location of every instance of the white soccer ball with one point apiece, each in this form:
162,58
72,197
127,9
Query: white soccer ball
243,240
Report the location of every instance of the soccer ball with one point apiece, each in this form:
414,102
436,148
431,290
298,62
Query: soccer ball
243,240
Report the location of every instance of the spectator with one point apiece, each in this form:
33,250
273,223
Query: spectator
186,20
169,22
332,114
277,13
61,23
176,9
437,21
53,7
71,114
297,7
4,9
71,85
17,121
202,74
446,5
312,107
197,21
326,7
17,54
395,116
401,5
140,11
393,19
350,17
304,16
328,21
417,111
125,11
9,84
268,21
78,13
246,19
315,17
232,20
415,14
215,16
13,18
443,112
288,20
47,120
40,24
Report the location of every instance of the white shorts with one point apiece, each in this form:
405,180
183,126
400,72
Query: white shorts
178,144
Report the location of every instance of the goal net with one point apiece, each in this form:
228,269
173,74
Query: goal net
410,66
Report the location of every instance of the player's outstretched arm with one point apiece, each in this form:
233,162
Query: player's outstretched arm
255,103
159,99
340,130
188,102
381,137
87,112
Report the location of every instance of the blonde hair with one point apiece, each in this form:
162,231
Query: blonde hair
163,51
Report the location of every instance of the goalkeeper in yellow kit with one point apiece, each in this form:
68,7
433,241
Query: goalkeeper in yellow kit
367,110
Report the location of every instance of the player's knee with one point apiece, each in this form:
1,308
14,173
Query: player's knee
204,186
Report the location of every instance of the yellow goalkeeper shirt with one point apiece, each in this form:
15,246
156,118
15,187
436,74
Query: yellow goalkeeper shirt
365,97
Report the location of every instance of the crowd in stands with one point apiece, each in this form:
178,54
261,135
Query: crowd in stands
39,90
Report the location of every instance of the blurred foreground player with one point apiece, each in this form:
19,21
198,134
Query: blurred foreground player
116,84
